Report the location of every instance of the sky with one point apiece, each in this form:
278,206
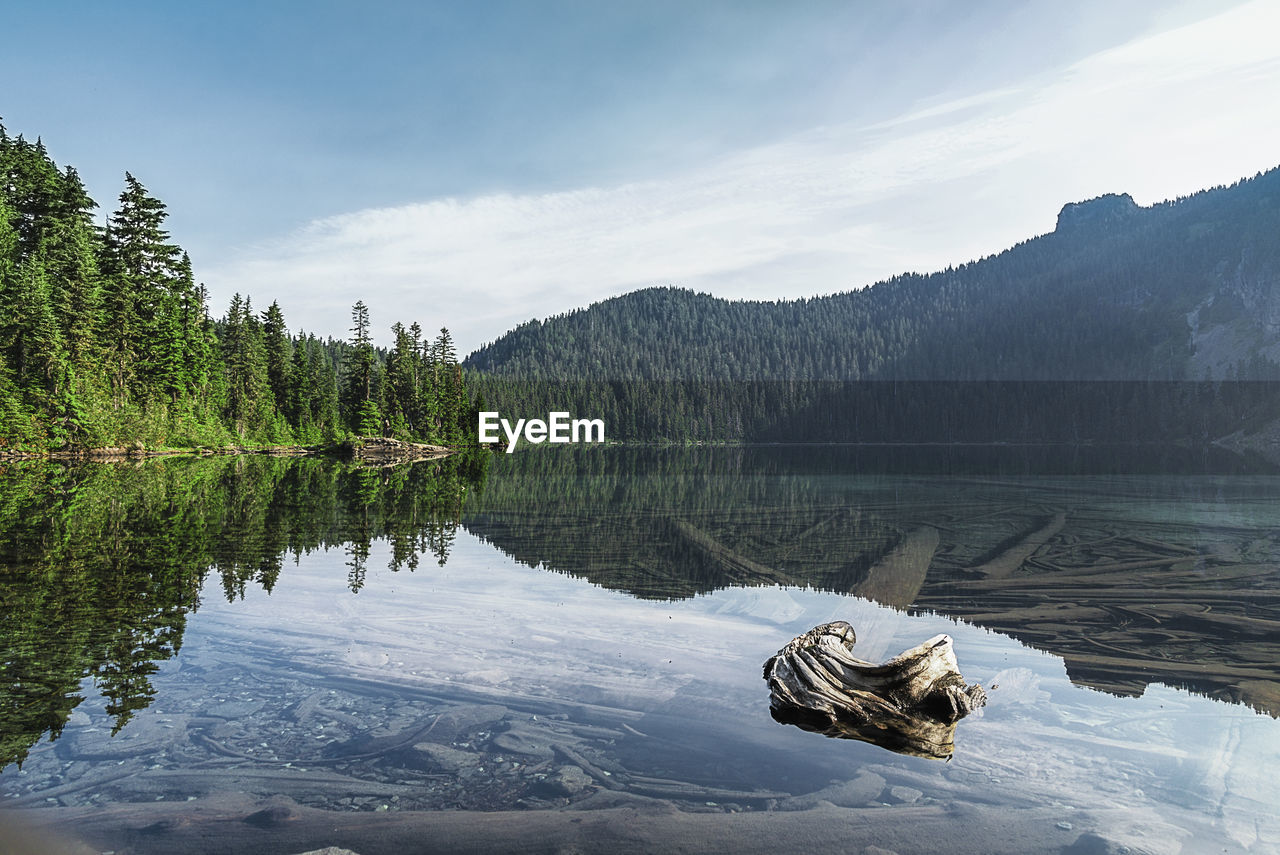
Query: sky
477,164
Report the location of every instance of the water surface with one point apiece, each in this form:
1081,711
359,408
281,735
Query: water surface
565,649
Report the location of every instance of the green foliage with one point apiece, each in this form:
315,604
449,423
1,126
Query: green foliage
1010,348
278,351
368,419
106,339
1106,296
359,372
249,402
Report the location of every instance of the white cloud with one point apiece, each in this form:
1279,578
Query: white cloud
824,210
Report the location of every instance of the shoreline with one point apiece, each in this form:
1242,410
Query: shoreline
363,449
609,823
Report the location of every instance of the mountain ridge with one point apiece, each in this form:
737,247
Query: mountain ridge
1184,289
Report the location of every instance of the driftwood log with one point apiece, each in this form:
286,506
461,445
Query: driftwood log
909,704
384,451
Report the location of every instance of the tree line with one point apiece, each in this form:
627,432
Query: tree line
897,412
1115,292
1124,324
106,339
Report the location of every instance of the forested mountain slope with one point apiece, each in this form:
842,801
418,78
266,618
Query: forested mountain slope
1182,290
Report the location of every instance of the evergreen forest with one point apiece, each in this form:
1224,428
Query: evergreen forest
1181,290
1125,324
106,340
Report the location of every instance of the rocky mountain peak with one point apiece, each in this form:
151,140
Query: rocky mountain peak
1104,210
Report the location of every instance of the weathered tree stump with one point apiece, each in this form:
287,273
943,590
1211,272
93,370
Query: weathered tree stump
909,704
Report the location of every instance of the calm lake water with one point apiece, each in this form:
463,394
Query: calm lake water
561,651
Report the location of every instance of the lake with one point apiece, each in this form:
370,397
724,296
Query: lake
560,650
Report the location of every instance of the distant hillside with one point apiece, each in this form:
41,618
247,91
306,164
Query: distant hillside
1182,290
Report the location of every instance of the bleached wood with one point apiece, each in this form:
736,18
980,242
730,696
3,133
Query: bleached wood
909,703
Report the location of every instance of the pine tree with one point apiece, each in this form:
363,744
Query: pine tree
324,382
446,354
296,403
140,263
29,333
400,389
104,334
167,350
363,415
249,401
16,418
449,390
276,342
199,340
32,187
69,254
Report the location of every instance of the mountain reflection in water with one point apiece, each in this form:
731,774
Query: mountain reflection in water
1136,566
350,684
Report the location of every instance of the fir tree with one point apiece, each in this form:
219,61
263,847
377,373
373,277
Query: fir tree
363,415
140,262
324,380
106,339
73,266
400,389
277,346
296,403
249,402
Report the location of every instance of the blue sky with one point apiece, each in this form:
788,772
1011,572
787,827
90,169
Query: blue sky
478,164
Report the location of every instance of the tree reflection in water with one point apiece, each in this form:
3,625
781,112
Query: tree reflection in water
101,564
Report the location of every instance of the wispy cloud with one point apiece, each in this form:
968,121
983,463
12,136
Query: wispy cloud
822,210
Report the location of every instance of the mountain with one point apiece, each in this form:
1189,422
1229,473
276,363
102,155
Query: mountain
1181,290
